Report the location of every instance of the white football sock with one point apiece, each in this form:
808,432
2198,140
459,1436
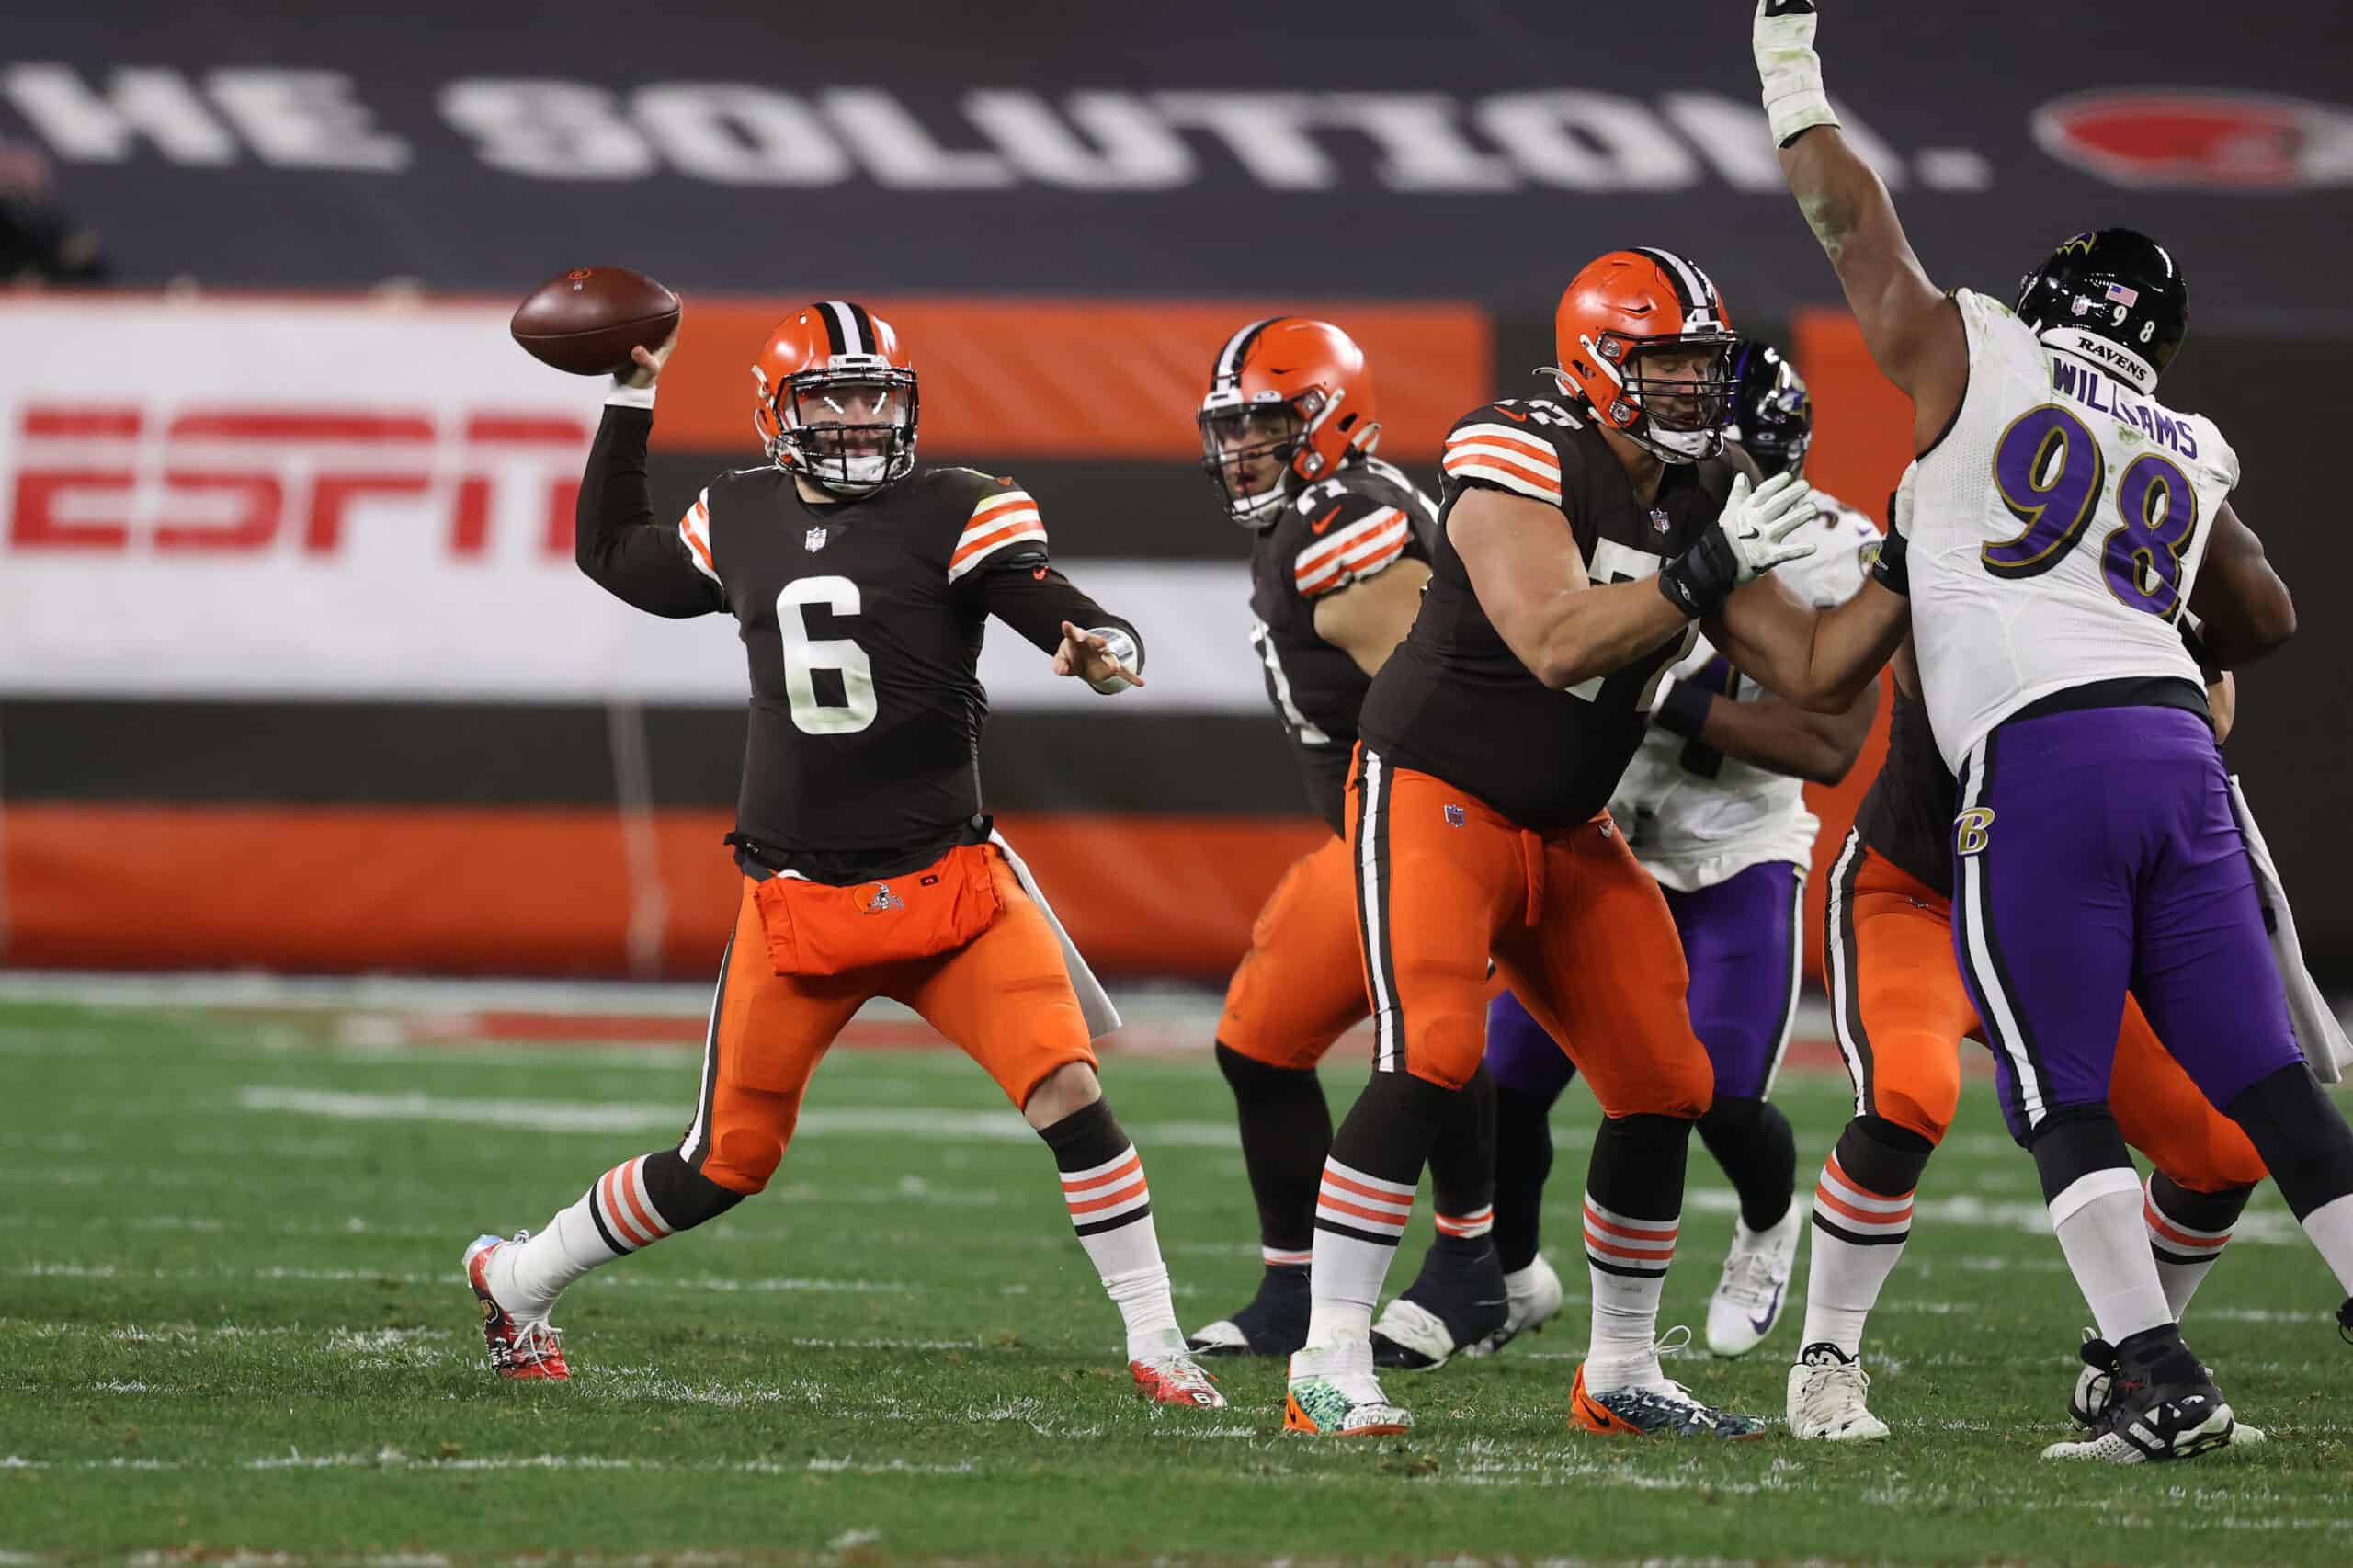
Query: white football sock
612,1218
2330,1226
1626,1262
1358,1220
1858,1238
1110,1207
2100,1230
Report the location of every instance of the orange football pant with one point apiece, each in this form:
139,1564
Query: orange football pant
1578,930
1900,1012
1004,998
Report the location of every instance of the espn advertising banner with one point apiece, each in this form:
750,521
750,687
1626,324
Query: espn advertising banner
362,501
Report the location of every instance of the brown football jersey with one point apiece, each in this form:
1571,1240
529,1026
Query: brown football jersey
1338,532
1456,702
862,623
1907,816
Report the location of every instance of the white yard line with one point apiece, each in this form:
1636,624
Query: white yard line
932,1124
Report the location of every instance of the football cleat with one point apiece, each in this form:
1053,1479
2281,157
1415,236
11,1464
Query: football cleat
2162,1405
1532,1295
2097,1382
1664,1408
1176,1379
519,1348
1334,1394
2344,1321
1754,1284
1826,1390
1274,1323
1458,1299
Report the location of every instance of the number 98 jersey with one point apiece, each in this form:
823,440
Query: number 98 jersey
2056,532
862,623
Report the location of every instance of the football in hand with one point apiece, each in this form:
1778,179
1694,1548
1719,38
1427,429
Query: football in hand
587,321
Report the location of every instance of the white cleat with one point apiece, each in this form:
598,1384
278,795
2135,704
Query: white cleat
1826,1393
1534,1294
1754,1286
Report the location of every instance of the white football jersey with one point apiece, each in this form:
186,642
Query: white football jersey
1693,829
2055,532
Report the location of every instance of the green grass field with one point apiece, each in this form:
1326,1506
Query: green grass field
231,1322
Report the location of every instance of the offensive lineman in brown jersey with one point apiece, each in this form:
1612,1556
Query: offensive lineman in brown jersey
861,587
1579,545
1339,550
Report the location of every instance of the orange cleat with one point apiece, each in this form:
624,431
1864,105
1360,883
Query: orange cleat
518,1350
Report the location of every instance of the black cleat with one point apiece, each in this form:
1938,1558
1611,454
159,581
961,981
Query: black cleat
1458,1301
1274,1323
2162,1405
2344,1321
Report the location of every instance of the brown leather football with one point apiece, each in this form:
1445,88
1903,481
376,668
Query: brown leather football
587,321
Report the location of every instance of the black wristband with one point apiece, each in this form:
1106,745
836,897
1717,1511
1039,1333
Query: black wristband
1891,571
1684,709
1699,581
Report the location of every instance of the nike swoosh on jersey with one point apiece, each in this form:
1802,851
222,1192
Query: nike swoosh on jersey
1508,414
1320,524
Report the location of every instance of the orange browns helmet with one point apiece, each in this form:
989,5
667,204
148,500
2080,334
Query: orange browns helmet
1643,339
836,398
1290,401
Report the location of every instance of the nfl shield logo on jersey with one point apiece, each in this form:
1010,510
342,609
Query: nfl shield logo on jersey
1658,520
1454,816
814,540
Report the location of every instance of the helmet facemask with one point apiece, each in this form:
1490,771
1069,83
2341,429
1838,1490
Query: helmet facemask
1251,453
1673,393
849,430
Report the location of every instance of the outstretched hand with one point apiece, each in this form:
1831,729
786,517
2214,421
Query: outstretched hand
1088,655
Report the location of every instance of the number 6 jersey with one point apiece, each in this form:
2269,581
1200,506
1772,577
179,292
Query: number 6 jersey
2056,530
862,622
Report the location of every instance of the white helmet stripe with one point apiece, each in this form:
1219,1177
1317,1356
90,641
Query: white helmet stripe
844,322
1698,293
1228,358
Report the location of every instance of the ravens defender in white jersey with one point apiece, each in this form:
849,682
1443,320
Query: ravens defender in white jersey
861,586
2064,524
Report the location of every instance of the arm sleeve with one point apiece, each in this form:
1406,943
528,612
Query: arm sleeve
1034,599
664,571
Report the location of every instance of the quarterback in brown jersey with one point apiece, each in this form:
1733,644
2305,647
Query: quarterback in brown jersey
1582,542
1341,547
860,586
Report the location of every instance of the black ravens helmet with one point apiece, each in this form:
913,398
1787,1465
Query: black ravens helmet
1772,413
2112,296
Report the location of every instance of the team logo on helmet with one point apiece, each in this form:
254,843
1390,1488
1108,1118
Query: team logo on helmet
2192,139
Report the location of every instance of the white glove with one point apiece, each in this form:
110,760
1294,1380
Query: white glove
1763,527
1789,69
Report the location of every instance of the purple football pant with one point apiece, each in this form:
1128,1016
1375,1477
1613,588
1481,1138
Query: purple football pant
2095,851
1740,942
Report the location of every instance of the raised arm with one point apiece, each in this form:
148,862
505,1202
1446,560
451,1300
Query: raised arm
2244,608
1913,331
615,538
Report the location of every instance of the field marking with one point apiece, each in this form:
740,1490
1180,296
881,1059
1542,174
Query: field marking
933,1124
391,1276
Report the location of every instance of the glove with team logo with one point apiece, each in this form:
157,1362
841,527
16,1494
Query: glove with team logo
1790,70
1757,531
